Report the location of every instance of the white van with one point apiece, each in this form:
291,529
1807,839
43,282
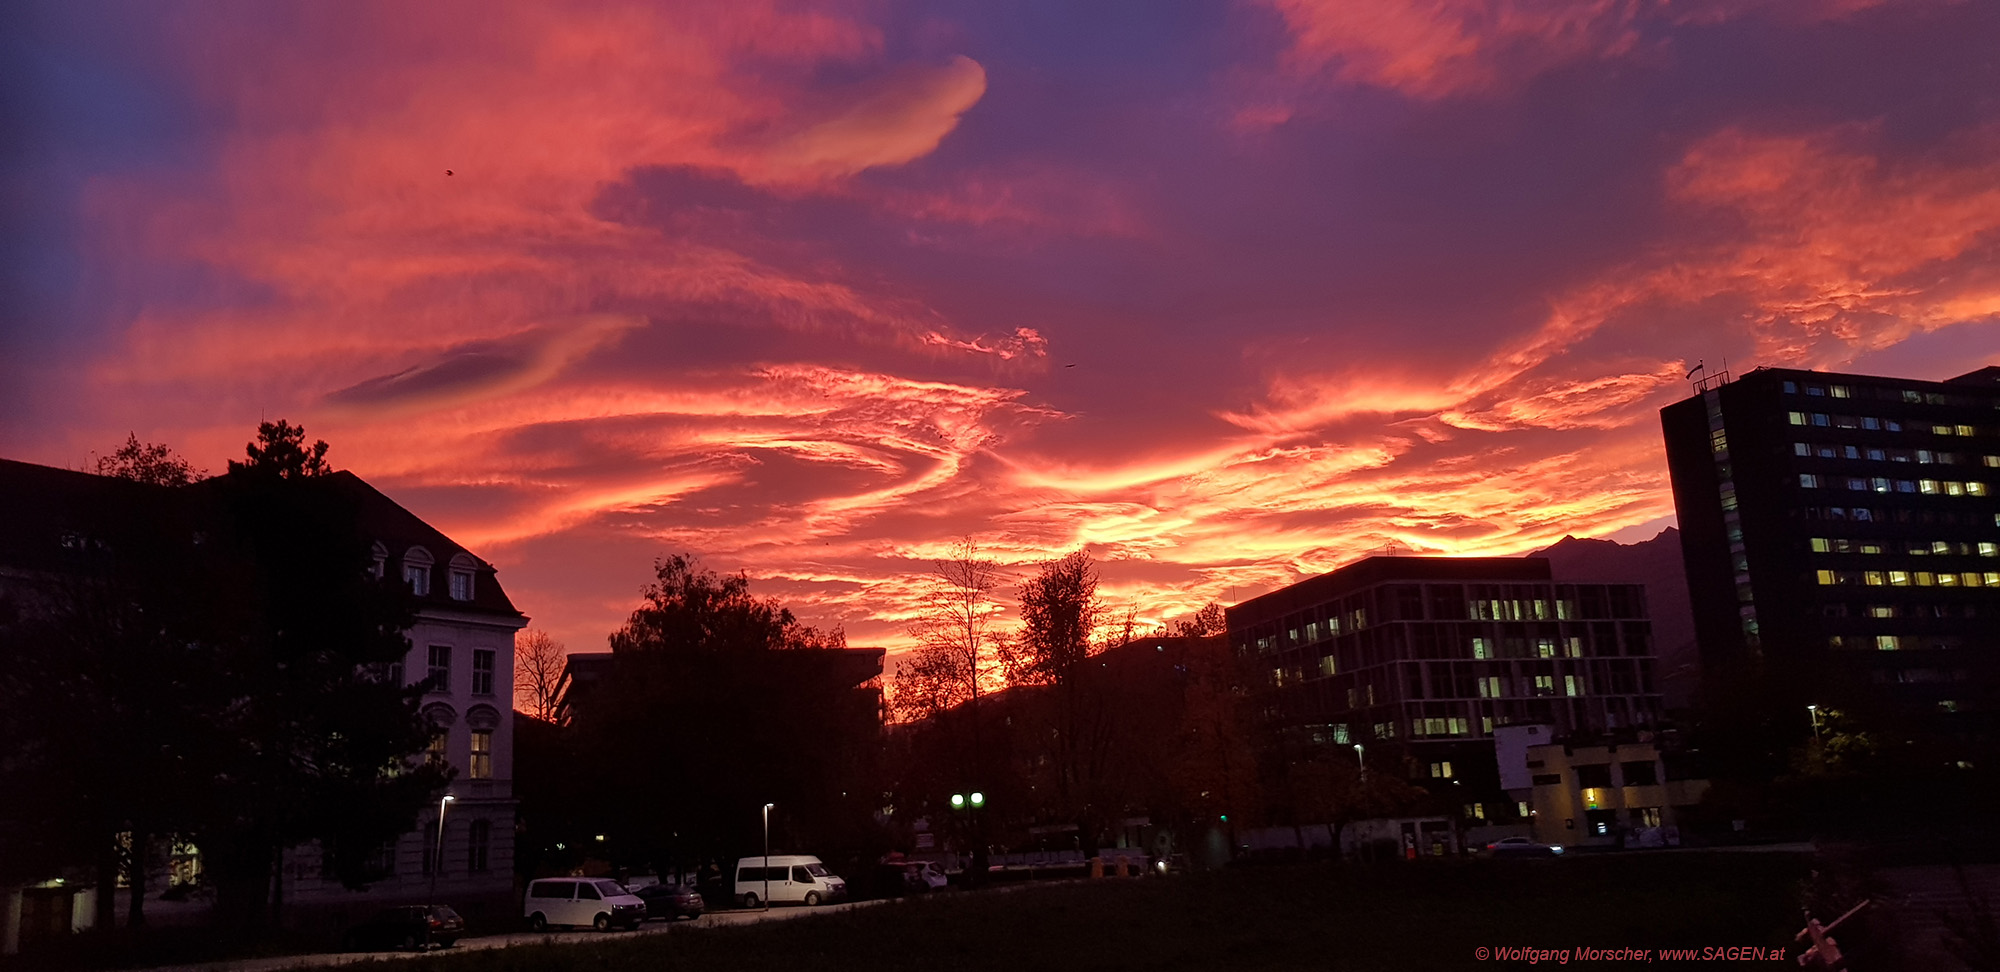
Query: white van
796,878
601,903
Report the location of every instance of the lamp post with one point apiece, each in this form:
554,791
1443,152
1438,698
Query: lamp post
1361,760
1813,712
767,855
437,850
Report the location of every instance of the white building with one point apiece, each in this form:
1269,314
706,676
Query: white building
463,641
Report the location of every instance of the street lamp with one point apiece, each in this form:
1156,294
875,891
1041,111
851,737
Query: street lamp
767,855
437,851
1361,760
1813,711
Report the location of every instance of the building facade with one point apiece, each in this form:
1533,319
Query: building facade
462,646
462,642
1845,526
1427,657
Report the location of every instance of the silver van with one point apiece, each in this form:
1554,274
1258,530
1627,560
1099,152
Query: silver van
600,903
790,878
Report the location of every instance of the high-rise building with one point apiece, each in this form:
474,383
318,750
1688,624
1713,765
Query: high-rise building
1425,657
1844,527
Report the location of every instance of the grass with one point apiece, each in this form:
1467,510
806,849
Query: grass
1430,915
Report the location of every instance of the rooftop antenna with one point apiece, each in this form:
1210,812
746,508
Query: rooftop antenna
1708,379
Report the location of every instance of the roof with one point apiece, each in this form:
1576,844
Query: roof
53,514
1371,571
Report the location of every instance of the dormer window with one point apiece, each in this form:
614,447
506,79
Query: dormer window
462,573
417,570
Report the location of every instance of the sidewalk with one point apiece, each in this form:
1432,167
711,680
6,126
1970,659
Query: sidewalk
325,959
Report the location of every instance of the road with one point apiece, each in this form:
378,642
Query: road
514,938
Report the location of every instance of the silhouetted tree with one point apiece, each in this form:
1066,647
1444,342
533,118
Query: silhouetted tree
145,462
538,670
305,634
280,450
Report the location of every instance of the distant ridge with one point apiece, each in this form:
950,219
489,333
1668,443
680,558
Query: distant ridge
1657,564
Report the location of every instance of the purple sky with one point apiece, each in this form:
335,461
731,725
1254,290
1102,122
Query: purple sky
1227,293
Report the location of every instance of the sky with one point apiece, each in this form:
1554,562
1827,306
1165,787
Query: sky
1227,294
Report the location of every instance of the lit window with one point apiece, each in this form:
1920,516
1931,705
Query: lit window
1575,646
1482,648
1826,577
1570,686
1819,545
1521,808
1886,643
1489,687
1966,430
1808,481
482,756
1545,647
1545,685
1593,798
1976,489
1441,770
434,754
1797,418
1899,578
1326,666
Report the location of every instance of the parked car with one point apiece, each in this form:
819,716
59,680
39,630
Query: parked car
797,878
1522,847
600,903
671,901
407,926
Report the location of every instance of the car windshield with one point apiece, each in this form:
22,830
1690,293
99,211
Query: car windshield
609,888
816,870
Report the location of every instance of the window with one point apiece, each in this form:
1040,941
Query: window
586,891
482,671
1482,648
801,876
434,754
417,570
1641,774
1571,687
1545,685
1475,811
479,842
1886,643
482,755
1521,808
1441,770
1489,687
1545,647
440,668
461,585
1808,481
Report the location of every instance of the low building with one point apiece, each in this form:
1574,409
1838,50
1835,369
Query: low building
1416,663
1610,790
